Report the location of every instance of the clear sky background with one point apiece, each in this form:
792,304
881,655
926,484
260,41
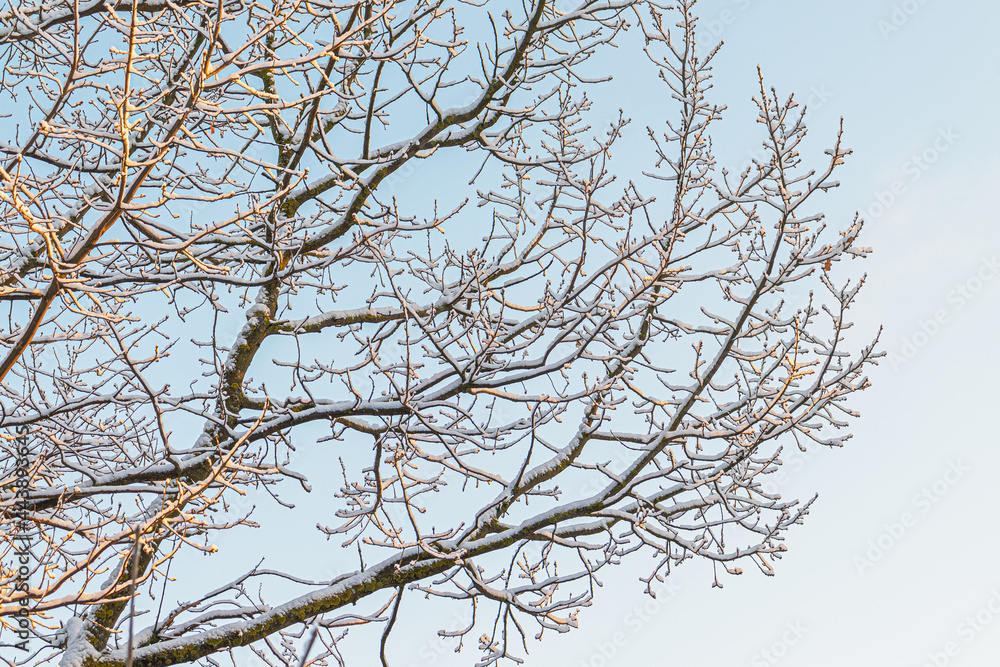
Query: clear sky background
896,563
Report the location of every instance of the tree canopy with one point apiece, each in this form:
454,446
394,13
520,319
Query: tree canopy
527,371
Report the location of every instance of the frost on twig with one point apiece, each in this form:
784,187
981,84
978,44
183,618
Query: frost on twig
213,241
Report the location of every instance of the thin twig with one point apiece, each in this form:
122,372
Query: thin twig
388,627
